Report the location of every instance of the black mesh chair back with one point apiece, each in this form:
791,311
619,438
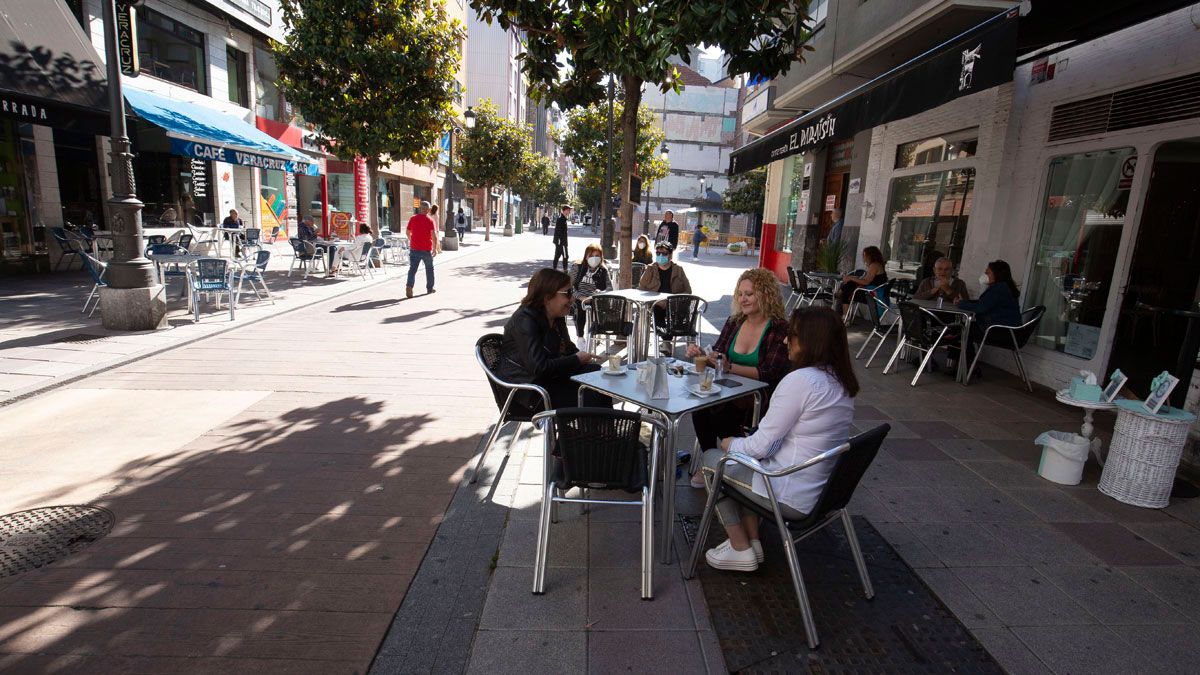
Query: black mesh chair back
879,303
260,261
488,347
598,449
1030,319
682,317
638,269
916,325
211,270
846,475
185,240
610,316
156,239
488,354
302,249
252,236
163,249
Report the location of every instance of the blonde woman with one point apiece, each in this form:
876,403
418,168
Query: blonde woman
753,344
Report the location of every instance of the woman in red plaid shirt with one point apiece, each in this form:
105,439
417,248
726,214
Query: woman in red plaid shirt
753,344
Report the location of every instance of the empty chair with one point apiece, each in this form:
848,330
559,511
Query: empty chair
681,319
597,449
360,260
1012,338
251,238
816,289
922,330
96,271
185,241
862,298
211,277
608,318
304,256
883,321
638,270
167,270
852,460
70,246
255,275
155,239
487,354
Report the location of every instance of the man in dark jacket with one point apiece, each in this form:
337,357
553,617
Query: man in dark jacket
668,230
560,238
545,224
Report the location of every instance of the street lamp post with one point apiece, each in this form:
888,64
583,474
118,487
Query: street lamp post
662,153
132,300
450,239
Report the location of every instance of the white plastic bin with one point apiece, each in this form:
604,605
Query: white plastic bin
1063,457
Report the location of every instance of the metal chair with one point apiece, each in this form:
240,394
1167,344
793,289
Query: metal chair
487,353
853,458
881,325
167,270
362,262
213,276
922,330
254,274
96,271
185,242
862,298
635,276
251,238
608,318
155,239
597,449
1012,338
68,245
304,256
680,320
818,289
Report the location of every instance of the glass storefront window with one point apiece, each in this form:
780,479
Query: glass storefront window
927,219
171,51
942,148
789,201
1079,232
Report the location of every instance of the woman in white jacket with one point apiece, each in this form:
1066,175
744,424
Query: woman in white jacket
354,250
810,412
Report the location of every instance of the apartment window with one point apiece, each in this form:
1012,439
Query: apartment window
266,75
817,10
236,63
927,219
943,148
171,51
1079,233
76,7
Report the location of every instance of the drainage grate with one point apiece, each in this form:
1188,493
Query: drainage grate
82,338
37,537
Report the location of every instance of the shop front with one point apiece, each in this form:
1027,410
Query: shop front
285,199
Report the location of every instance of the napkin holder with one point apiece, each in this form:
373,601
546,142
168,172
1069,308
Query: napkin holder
652,376
1082,390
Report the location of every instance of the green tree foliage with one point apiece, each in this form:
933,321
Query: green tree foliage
585,141
748,194
533,180
377,77
492,154
555,194
572,44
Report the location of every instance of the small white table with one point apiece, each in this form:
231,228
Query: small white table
672,409
965,318
1064,396
643,302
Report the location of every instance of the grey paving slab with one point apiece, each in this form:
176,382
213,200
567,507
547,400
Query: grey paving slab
968,608
615,544
511,605
913,504
1008,650
1020,596
888,472
1176,585
982,504
934,429
1167,650
948,475
910,449
567,548
1071,650
984,429
1006,474
910,547
1111,596
645,652
1115,544
517,652
964,449
864,503
1177,538
1040,543
1053,504
1117,511
615,601
964,544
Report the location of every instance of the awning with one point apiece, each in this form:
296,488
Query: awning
49,73
976,60
204,133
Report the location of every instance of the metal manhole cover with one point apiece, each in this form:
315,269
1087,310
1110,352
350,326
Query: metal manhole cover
82,338
38,537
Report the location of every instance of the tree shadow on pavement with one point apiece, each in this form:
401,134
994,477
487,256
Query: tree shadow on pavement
278,540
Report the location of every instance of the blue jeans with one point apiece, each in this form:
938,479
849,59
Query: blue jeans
415,258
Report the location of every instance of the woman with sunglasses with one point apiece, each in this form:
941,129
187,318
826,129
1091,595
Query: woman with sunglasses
537,348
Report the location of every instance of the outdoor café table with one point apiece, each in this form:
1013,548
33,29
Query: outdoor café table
965,317
681,401
642,301
1064,396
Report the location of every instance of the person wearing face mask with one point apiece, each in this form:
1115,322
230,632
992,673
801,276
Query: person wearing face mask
943,284
590,276
998,304
537,349
664,276
641,251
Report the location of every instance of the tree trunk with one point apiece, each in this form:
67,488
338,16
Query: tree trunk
372,197
633,99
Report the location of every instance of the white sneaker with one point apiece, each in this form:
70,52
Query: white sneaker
726,557
697,481
756,546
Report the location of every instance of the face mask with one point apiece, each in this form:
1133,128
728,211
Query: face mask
661,259
983,279
594,261
641,244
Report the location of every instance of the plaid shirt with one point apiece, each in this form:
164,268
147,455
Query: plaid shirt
773,360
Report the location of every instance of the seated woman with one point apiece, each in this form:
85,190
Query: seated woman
664,276
810,413
354,250
943,284
590,276
538,350
641,251
876,275
753,344
998,304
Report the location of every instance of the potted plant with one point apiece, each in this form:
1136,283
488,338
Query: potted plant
830,255
736,247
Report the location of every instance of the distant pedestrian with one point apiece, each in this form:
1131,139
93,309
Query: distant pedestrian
668,230
460,224
698,238
422,246
545,224
835,229
560,238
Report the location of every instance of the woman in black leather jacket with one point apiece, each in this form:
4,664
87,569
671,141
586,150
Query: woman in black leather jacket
538,349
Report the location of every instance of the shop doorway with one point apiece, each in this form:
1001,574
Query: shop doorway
837,184
1163,287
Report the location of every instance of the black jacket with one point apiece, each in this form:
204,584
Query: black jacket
600,277
536,351
672,232
560,230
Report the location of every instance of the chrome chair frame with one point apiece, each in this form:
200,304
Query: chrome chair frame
1026,325
513,388
877,325
905,343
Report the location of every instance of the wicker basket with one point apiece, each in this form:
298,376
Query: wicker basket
1143,457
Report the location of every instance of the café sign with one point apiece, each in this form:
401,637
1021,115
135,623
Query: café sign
127,47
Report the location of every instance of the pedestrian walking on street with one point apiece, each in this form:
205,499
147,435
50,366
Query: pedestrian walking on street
545,224
668,230
698,238
560,239
460,224
423,244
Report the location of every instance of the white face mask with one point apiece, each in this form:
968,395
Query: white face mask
641,244
594,261
983,279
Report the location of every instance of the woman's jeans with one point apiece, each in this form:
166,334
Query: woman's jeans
415,258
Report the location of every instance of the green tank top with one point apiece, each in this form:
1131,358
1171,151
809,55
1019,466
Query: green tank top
751,359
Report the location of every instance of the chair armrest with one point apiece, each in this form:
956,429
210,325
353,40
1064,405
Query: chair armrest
752,464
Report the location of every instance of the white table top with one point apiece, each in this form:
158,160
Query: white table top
626,387
638,295
1064,396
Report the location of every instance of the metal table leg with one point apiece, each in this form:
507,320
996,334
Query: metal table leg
669,488
964,342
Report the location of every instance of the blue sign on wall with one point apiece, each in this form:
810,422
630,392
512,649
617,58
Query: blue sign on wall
241,158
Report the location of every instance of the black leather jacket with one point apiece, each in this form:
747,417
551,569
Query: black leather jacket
535,350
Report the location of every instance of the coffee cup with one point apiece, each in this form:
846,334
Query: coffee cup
614,362
701,362
706,380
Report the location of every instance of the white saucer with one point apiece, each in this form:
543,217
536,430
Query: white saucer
696,390
613,373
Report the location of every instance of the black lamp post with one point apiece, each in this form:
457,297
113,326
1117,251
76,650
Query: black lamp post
451,233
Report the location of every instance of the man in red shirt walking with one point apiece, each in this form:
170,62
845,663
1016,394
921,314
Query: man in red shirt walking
423,244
